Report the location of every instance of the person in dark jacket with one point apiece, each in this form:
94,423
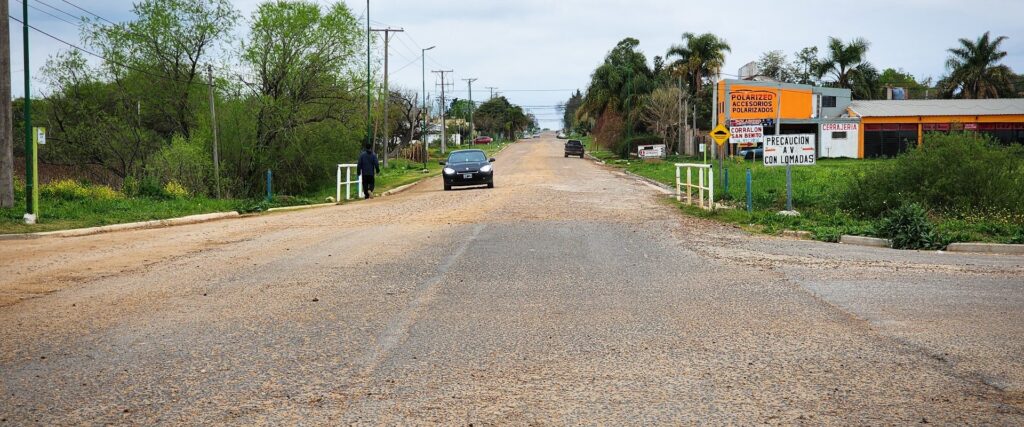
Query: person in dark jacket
367,167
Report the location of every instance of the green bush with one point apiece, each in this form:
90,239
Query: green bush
186,162
909,228
176,191
67,189
954,174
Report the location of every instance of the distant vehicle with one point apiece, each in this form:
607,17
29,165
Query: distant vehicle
574,147
468,167
752,153
483,140
536,135
561,136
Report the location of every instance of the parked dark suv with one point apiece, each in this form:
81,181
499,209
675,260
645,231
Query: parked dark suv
574,147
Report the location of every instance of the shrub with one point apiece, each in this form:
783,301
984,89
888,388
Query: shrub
67,189
958,173
909,228
186,162
173,190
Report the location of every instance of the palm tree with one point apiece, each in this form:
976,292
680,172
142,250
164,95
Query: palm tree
700,58
974,69
844,61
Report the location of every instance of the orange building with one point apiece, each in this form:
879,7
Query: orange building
891,127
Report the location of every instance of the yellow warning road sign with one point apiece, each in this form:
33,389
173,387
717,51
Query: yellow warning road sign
720,134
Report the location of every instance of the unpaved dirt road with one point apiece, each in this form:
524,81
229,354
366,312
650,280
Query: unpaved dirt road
570,294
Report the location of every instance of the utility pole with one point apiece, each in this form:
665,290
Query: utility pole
213,127
387,92
6,128
492,91
472,127
368,81
31,192
444,127
423,127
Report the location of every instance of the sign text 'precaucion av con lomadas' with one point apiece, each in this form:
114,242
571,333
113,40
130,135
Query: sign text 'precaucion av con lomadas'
782,150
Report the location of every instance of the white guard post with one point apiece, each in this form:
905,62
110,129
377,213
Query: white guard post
348,181
703,170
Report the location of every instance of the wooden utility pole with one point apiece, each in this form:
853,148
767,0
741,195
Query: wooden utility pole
6,128
444,126
387,92
492,91
213,127
472,127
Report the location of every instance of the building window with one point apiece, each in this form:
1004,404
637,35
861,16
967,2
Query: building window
838,135
828,102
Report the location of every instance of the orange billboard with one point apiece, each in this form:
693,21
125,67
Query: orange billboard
746,102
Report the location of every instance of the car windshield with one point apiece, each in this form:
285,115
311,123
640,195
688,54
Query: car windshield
574,142
467,156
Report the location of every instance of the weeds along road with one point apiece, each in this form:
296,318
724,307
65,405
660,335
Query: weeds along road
569,294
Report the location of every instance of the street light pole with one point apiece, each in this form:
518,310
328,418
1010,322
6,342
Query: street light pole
423,126
368,35
472,126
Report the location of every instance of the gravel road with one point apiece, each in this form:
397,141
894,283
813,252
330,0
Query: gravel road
569,294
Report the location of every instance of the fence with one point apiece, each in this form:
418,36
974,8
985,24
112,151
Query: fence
704,174
348,182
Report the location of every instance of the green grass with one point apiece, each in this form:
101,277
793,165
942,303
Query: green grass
816,193
76,211
63,214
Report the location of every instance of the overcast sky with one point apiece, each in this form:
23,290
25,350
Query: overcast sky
535,51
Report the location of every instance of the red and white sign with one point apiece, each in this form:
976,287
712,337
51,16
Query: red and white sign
970,126
839,127
746,136
656,151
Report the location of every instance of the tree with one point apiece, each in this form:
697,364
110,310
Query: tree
843,61
302,57
6,139
168,43
701,58
975,72
570,107
898,78
620,82
661,112
804,66
775,65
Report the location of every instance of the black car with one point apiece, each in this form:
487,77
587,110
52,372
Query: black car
468,167
574,147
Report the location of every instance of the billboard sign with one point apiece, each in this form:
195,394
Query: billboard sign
795,150
655,151
746,136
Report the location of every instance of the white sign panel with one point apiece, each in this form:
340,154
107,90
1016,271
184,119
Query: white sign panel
839,140
746,136
651,151
782,150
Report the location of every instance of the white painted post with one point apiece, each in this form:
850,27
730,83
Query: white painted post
689,187
337,192
348,183
360,195
700,175
711,190
679,196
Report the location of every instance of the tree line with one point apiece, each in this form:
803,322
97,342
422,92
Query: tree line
290,96
630,100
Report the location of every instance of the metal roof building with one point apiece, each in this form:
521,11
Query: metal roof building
888,128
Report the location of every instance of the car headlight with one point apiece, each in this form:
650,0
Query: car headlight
449,171
486,169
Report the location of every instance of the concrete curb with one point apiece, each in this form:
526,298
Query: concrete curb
402,188
595,159
664,188
78,232
986,248
865,241
798,234
301,207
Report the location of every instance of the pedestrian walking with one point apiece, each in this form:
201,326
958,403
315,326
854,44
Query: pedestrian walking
367,168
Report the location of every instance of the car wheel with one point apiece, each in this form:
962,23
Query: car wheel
567,156
447,187
490,185
581,156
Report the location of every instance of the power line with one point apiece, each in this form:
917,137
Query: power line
86,11
50,14
58,9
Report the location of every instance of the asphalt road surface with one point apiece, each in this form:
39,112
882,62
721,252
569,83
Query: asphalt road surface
569,294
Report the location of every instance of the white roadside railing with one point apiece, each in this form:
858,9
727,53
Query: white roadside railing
704,175
348,182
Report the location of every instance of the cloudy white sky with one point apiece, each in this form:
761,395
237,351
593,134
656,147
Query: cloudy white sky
534,51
